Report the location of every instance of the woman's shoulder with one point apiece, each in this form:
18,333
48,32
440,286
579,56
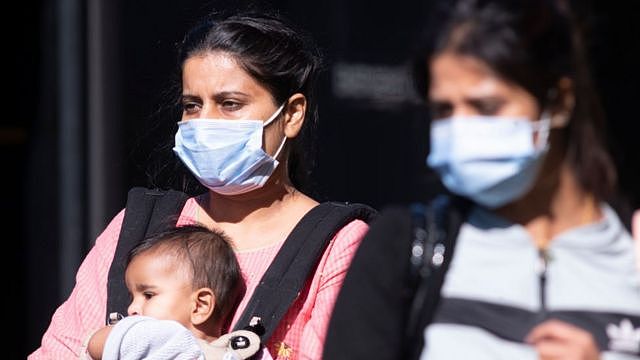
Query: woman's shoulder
349,220
112,231
355,227
389,223
442,212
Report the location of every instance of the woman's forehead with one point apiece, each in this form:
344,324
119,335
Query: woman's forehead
215,72
450,72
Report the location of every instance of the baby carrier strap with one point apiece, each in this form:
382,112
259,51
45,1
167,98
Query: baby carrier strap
286,276
147,212
151,211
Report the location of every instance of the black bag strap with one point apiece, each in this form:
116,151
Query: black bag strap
435,228
284,279
147,212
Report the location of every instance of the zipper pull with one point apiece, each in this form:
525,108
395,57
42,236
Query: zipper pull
543,264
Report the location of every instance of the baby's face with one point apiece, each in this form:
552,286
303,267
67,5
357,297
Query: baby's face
160,288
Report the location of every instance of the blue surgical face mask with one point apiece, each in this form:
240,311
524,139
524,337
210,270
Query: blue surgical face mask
489,159
226,156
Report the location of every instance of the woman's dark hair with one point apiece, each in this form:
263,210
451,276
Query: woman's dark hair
534,44
209,256
279,56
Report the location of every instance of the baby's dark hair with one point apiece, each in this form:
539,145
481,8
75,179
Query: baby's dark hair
210,257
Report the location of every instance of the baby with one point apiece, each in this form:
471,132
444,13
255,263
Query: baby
185,284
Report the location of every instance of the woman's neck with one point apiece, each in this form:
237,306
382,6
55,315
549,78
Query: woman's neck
553,206
236,208
259,218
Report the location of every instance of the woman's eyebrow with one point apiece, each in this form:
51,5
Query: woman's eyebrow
226,94
187,97
484,99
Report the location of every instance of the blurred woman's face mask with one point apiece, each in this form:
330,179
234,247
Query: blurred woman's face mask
492,160
226,156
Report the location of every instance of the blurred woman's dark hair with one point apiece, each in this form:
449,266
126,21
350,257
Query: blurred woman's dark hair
533,44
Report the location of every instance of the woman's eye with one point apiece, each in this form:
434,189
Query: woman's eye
230,105
440,110
489,107
190,107
148,295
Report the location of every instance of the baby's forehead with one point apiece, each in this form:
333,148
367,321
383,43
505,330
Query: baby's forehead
169,251
161,259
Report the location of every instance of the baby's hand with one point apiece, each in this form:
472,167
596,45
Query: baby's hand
97,341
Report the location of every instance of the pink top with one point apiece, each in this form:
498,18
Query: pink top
84,311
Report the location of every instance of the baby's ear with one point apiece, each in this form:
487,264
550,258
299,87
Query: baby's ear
204,301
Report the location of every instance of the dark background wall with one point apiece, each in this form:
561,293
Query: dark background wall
87,81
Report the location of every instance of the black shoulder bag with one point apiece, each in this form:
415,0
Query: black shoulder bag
392,288
435,230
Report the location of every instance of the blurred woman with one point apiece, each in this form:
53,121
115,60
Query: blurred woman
543,267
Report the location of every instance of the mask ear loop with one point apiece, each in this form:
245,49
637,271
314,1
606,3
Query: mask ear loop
269,121
273,117
542,127
547,121
560,119
275,156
